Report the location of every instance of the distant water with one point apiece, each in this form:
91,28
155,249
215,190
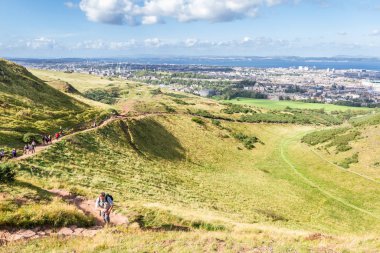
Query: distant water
319,63
256,62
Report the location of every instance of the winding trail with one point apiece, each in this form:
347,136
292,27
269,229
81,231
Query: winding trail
322,191
343,169
40,148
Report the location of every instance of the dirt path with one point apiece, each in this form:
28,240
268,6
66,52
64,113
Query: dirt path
88,207
40,148
84,205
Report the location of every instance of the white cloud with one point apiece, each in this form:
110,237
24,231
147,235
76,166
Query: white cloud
70,5
191,42
375,32
135,12
154,42
41,43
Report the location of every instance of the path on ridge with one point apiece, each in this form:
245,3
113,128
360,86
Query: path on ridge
40,148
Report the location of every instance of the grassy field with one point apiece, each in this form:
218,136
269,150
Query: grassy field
281,105
173,166
230,186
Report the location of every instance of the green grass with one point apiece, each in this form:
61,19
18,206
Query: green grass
24,205
194,185
165,163
28,105
253,240
281,105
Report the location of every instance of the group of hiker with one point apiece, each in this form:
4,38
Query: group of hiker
30,148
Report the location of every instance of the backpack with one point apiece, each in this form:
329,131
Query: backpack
108,196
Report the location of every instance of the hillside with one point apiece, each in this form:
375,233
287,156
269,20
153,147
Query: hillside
28,105
353,147
196,175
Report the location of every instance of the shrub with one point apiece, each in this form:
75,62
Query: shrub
216,122
350,160
204,113
233,108
323,136
248,141
107,96
198,121
156,92
180,102
29,137
168,108
7,173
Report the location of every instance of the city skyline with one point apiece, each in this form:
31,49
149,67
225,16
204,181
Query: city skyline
130,28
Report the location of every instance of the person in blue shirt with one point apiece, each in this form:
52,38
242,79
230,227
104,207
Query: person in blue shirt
104,203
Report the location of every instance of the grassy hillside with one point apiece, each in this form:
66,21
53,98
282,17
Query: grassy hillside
354,147
198,177
30,105
174,166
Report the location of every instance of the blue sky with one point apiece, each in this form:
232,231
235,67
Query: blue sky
121,28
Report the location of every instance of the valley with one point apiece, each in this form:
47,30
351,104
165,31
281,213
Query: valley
189,173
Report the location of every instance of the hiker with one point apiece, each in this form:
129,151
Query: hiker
94,124
2,154
34,144
45,139
14,153
49,139
31,148
104,203
57,135
26,149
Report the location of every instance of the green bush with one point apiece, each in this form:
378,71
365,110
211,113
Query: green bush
7,173
168,108
248,141
323,136
198,121
216,122
350,160
29,137
107,96
204,113
180,102
234,108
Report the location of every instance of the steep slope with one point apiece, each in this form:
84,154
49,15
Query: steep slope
30,105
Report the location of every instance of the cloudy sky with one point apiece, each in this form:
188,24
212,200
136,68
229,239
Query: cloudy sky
120,28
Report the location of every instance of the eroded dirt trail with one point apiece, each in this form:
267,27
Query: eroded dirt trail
88,207
84,205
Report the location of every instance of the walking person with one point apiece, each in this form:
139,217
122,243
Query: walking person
26,149
31,148
44,139
104,203
14,153
34,144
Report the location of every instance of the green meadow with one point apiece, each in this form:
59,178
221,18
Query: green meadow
281,105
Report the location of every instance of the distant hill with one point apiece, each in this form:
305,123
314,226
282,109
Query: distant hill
30,105
19,87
